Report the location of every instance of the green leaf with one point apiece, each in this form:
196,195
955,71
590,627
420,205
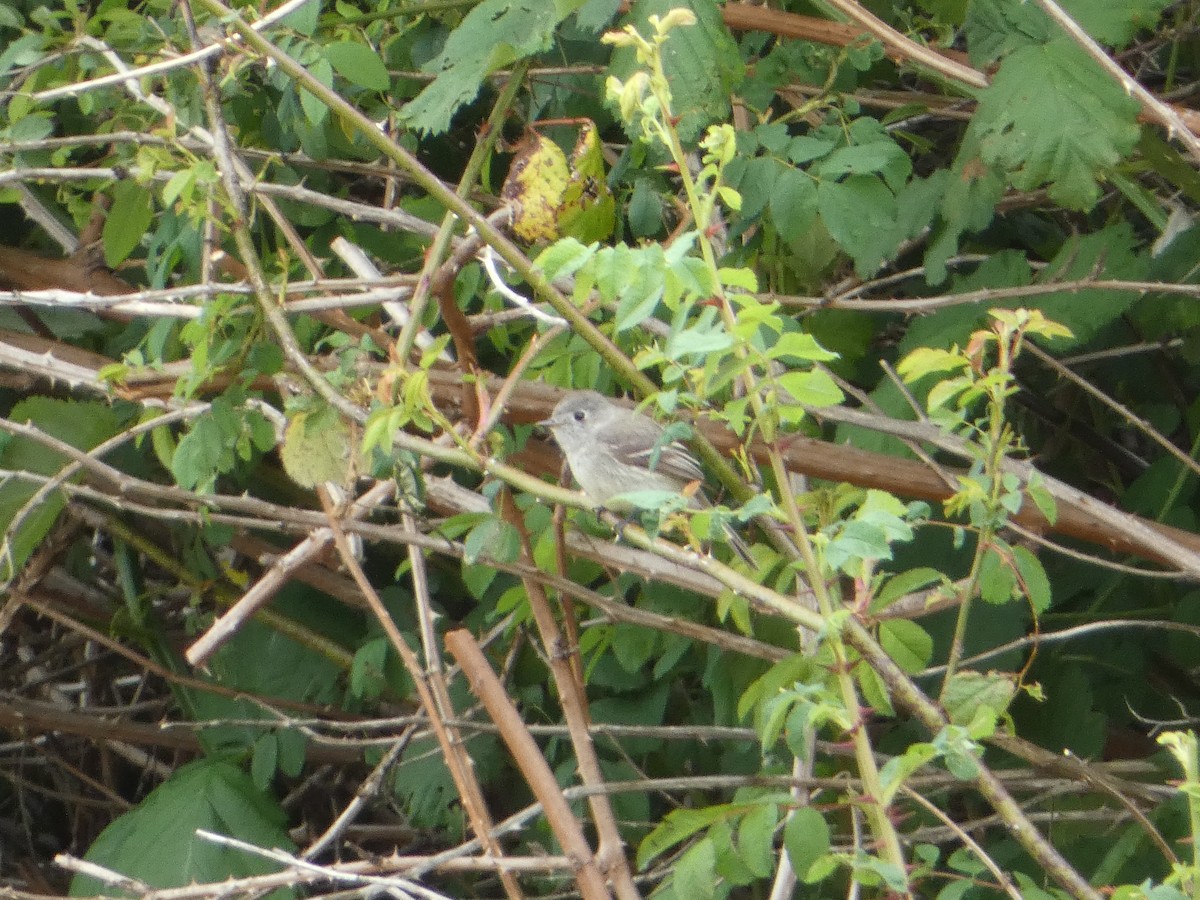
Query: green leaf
755,181
303,19
1053,118
874,691
83,426
315,110
1033,578
786,672
634,645
806,839
864,159
756,839
695,873
967,692
565,257
1043,500
905,583
813,388
358,64
264,760
293,744
493,538
494,34
677,827
793,203
897,769
907,643
128,220
806,148
796,346
1107,253
366,669
860,214
995,27
156,842
704,337
997,580
645,212
22,51
642,289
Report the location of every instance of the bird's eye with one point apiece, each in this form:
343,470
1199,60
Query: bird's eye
579,415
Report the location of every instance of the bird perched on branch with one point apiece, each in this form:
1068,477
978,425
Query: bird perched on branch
613,451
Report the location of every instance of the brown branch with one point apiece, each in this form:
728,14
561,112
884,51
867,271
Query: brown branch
23,270
567,669
530,761
433,699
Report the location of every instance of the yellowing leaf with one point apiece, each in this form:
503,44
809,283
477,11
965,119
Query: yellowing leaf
317,447
588,210
535,185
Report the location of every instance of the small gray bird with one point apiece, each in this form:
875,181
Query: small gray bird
614,450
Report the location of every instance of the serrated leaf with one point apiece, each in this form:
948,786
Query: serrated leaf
1053,118
997,580
793,203
874,691
315,110
798,346
926,360
897,769
695,873
864,159
156,842
967,692
1033,578
359,65
701,61
813,388
1107,253
905,583
676,827
564,258
494,34
806,148
317,447
996,27
860,214
1044,501
907,643
642,289
755,181
128,220
493,538
83,425
264,760
806,839
709,337
756,839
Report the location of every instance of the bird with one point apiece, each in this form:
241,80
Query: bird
612,450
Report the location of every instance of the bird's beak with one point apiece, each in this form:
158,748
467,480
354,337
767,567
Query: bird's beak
549,423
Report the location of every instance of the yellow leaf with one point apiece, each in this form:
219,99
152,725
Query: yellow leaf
318,447
534,186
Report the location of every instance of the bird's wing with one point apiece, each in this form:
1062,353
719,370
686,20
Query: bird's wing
642,445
